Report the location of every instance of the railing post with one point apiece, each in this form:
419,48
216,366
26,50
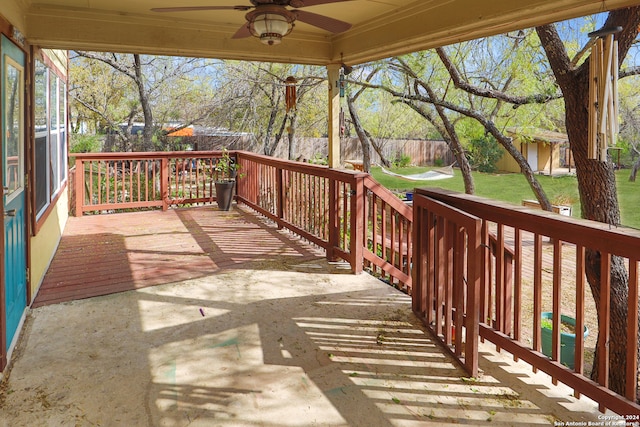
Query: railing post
356,236
472,321
79,187
247,180
240,183
280,197
334,227
164,182
418,302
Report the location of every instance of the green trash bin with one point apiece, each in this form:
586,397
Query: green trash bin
567,340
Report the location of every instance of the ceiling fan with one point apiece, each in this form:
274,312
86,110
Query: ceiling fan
270,20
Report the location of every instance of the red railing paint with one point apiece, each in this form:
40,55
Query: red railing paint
467,262
120,181
507,231
446,289
328,207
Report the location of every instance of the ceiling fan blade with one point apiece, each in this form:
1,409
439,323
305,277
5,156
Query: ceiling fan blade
330,24
196,8
307,3
243,32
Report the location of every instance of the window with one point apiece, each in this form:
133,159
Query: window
50,136
14,153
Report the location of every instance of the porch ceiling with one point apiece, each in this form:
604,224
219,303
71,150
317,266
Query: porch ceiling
381,28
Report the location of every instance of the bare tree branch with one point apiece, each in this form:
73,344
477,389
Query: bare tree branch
631,71
491,93
112,62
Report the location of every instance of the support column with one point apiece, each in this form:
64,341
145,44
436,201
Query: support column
333,73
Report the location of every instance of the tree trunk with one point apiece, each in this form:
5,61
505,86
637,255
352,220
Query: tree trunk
271,151
362,135
451,137
366,156
378,149
596,182
147,132
268,148
291,134
634,170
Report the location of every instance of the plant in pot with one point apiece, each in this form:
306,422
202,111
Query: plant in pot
225,172
567,337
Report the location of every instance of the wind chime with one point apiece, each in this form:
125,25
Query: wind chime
345,70
603,93
290,92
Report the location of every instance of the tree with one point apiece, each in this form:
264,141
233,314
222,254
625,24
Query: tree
109,90
123,88
99,98
381,119
367,140
596,179
133,71
430,90
258,103
443,123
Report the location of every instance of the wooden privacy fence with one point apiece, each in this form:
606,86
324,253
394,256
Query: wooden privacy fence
531,262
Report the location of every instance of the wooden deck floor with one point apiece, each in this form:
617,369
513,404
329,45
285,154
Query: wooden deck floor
105,254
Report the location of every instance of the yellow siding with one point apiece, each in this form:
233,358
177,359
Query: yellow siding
545,158
44,244
58,57
13,11
508,163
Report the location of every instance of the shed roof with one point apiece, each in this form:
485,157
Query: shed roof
539,135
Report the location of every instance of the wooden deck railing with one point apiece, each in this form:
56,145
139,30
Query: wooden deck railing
446,293
476,269
347,213
121,181
388,233
491,269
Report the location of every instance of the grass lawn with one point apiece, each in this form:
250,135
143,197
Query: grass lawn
513,188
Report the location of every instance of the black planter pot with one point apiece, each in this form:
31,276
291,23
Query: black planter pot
224,194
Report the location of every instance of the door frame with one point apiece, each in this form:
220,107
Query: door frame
533,154
27,136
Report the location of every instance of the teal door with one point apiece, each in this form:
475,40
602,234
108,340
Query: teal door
15,266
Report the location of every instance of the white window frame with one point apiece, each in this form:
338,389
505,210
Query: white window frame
56,174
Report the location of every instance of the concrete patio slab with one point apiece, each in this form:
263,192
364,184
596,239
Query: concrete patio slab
276,343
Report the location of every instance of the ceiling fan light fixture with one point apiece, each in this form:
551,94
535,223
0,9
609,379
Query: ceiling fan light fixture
270,25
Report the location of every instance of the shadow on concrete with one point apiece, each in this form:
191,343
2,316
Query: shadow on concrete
275,336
